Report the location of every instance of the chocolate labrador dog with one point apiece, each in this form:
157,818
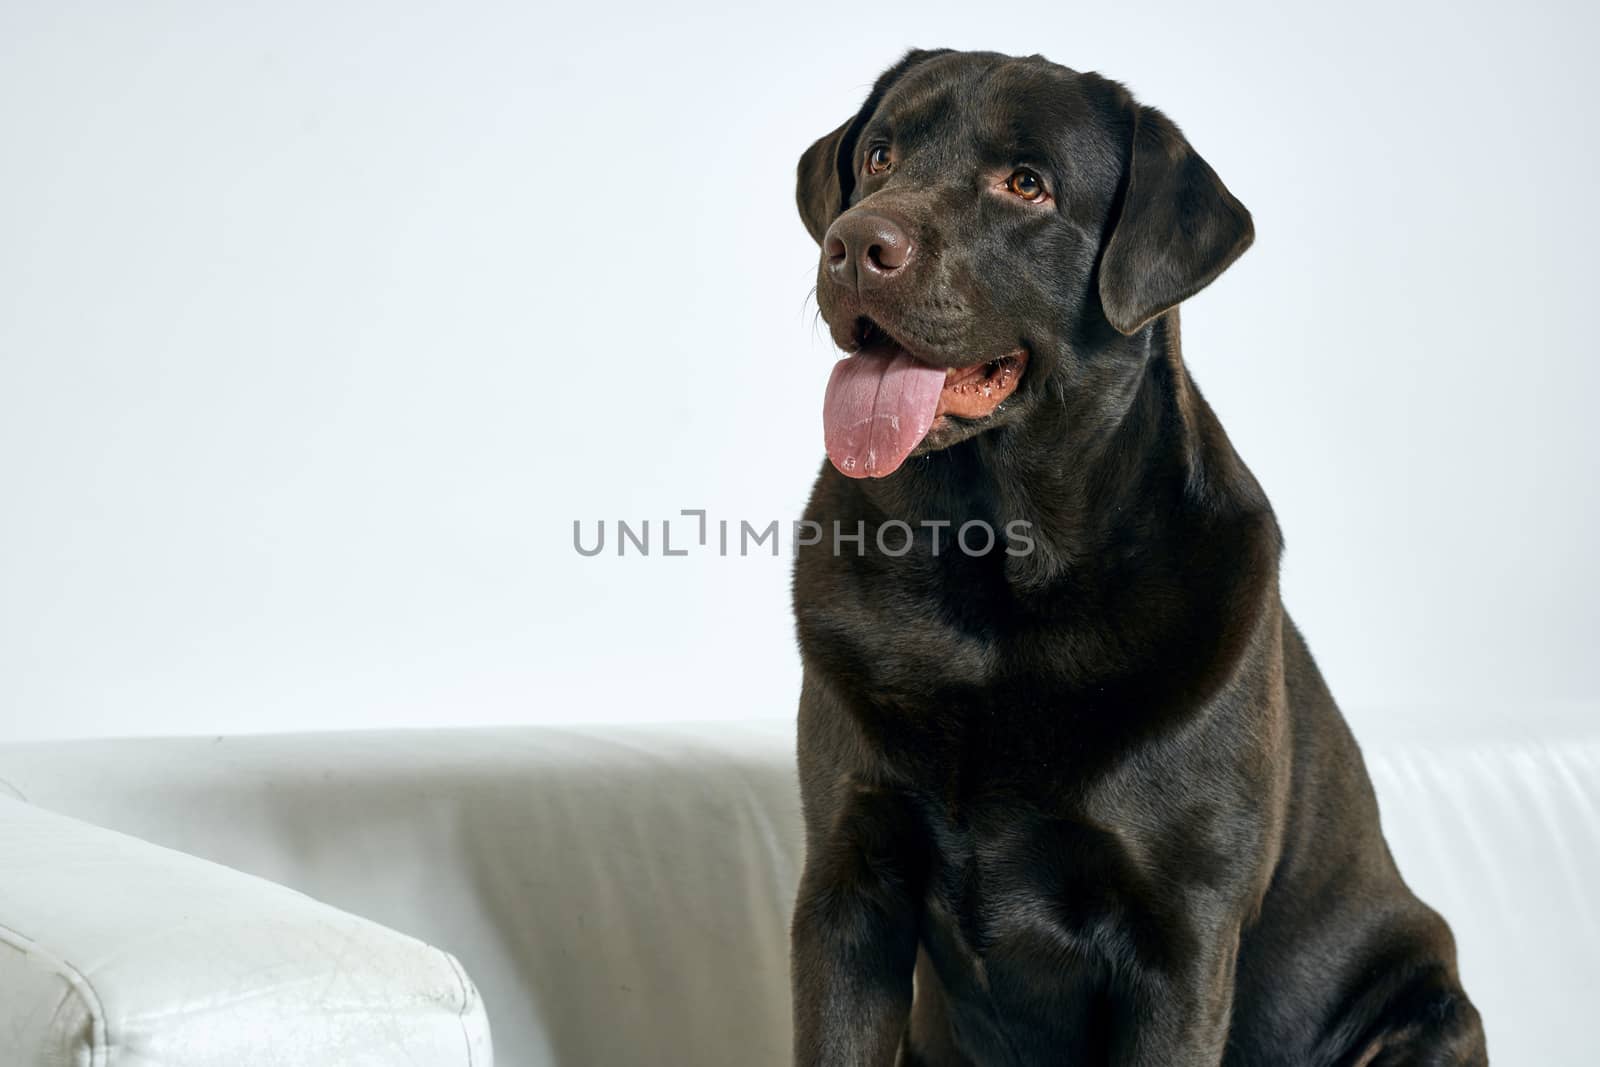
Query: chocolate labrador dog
1074,790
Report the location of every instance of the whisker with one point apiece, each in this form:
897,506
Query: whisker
810,298
816,315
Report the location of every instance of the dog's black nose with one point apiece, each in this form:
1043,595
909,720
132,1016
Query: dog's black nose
865,250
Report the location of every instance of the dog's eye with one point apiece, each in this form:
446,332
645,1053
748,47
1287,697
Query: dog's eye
1026,184
878,159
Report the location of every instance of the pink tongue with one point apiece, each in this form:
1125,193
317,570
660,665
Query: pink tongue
878,407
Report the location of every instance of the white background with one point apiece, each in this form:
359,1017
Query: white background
320,324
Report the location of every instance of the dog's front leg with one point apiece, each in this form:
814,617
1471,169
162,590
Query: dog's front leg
854,936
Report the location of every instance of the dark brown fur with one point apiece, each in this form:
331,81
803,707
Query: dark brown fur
1096,797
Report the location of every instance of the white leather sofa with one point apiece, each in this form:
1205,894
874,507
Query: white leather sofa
619,895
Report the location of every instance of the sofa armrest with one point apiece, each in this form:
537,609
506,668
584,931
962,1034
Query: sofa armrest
117,953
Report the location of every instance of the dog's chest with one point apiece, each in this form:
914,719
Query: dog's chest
1006,868
902,629
1017,912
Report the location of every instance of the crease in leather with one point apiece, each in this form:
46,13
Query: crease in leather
13,790
469,994
77,983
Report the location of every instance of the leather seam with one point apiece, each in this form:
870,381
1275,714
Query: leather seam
77,982
466,1001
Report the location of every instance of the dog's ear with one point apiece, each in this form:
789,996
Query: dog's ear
827,169
819,189
1178,229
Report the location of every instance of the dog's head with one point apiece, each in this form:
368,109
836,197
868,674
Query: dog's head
989,225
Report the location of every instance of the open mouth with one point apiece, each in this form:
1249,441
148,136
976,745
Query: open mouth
970,392
882,400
